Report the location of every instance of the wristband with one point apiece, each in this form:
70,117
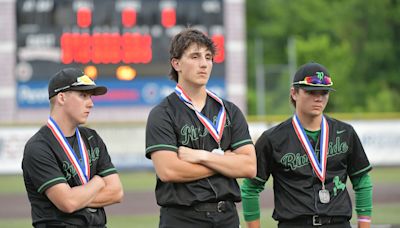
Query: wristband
364,219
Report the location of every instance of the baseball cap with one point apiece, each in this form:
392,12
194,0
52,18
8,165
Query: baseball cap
313,76
73,79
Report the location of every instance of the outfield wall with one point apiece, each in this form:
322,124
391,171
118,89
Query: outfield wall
126,143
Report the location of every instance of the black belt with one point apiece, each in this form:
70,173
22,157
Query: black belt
62,225
317,220
220,206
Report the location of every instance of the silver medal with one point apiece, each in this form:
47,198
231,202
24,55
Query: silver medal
218,151
324,196
92,210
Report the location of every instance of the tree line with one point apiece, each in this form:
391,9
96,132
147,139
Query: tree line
357,40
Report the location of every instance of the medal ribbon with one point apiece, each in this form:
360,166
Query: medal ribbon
216,130
82,169
318,166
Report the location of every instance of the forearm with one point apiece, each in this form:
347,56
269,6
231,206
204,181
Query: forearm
85,194
170,168
250,191
69,199
105,198
363,200
112,193
231,166
241,164
187,172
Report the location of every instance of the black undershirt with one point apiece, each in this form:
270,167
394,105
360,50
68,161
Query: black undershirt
72,142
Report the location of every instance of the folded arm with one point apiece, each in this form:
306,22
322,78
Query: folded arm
238,163
170,168
69,200
112,192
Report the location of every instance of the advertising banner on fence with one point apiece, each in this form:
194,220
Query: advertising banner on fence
139,92
381,140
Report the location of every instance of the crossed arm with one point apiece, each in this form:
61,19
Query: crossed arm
190,164
98,192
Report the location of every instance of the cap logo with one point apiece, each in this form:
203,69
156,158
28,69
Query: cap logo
320,75
83,80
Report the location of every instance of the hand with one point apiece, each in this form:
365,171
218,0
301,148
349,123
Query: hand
98,180
364,225
254,224
364,221
191,155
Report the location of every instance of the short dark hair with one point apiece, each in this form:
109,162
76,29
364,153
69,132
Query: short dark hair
182,41
292,101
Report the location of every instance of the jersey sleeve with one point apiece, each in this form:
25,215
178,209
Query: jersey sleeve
357,160
250,192
40,164
160,134
264,151
240,129
362,186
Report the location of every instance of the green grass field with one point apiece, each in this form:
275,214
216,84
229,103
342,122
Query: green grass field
144,181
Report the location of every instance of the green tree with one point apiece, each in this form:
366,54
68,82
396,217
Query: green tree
357,40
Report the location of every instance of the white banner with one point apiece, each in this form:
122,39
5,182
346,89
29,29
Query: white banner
381,140
12,143
126,144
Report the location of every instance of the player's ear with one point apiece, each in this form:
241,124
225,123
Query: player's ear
61,97
175,64
293,93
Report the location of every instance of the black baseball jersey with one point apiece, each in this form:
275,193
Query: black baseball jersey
296,186
172,124
45,164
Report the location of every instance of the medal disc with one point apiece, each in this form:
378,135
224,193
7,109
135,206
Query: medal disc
92,210
324,196
218,151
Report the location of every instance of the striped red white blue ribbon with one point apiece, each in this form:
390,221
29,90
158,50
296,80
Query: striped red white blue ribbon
81,168
216,130
318,166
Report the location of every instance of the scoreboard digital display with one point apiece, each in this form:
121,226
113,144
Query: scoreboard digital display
121,40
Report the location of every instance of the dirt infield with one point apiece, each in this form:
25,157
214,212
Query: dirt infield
137,203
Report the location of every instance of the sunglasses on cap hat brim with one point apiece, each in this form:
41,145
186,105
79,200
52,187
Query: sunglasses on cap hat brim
315,88
96,90
83,83
314,83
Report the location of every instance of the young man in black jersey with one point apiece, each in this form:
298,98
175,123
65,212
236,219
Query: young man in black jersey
68,173
198,143
310,157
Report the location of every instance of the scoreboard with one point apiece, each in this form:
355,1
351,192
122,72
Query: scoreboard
122,43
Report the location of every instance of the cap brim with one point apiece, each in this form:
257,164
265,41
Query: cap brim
316,88
97,90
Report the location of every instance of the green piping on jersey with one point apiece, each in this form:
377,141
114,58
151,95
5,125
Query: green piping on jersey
103,173
49,182
161,146
260,180
360,171
235,145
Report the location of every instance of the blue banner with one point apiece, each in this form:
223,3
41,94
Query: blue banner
138,92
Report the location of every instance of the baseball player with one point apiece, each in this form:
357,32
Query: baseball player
310,157
68,173
198,143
